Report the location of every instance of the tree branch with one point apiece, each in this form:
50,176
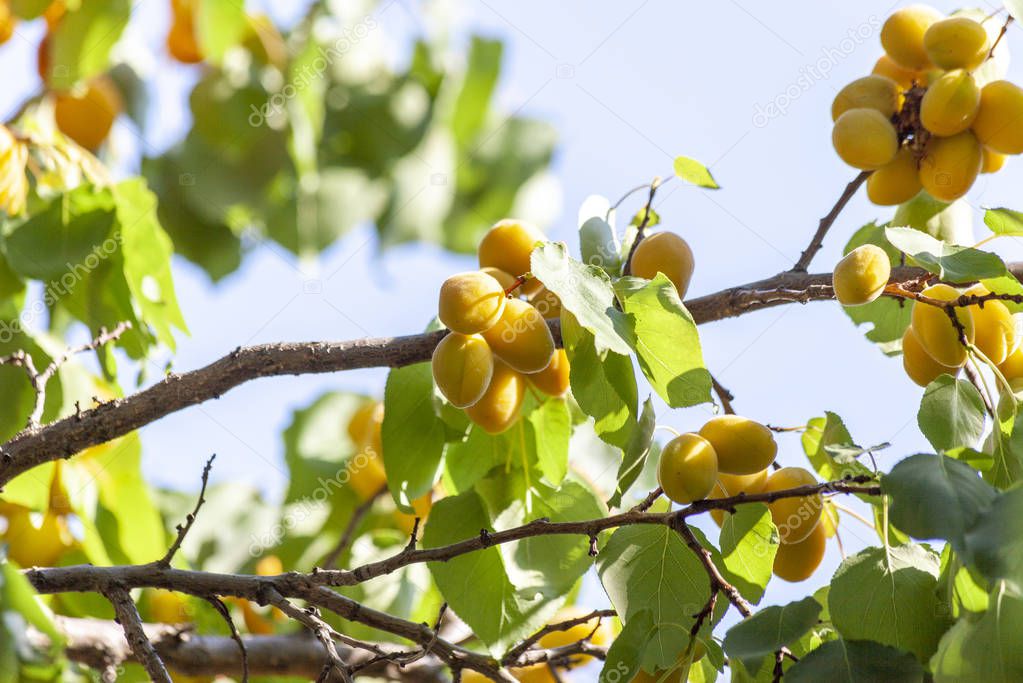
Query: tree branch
129,619
183,529
822,229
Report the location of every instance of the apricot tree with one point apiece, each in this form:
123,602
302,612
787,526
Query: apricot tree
441,529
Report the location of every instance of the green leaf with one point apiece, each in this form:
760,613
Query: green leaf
1005,443
473,101
413,434
749,542
994,545
649,567
80,44
625,656
147,251
890,596
936,497
604,385
219,25
635,452
754,638
476,586
551,428
822,432
1004,222
21,608
952,223
586,292
666,341
599,245
949,262
64,241
951,413
856,661
692,171
987,647
651,217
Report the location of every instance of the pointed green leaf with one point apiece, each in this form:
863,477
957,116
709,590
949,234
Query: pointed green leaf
692,171
754,638
856,661
749,542
950,262
951,413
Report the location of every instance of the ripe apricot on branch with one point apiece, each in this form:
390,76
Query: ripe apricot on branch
743,446
798,561
992,161
521,338
167,607
462,368
996,333
902,35
919,366
7,22
665,252
553,380
950,104
870,92
905,78
365,468
499,407
999,122
688,468
507,246
950,165
181,41
864,139
734,484
794,517
421,507
86,117
861,275
596,626
896,182
506,280
956,43
36,540
470,302
935,331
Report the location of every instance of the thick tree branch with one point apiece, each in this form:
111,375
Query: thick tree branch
130,621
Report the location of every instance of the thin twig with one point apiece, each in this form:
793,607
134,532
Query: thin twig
329,561
640,230
718,581
183,529
221,608
321,629
513,654
822,229
1001,34
129,619
724,395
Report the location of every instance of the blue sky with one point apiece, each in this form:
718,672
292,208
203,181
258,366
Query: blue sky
629,85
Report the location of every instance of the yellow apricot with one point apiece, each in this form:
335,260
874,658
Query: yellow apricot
547,302
535,673
462,367
553,380
36,540
718,492
506,280
166,607
797,562
734,484
861,275
905,78
950,104
86,117
521,338
598,627
918,364
794,517
360,421
1012,367
665,252
864,139
996,333
950,165
743,446
896,182
7,22
366,468
470,302
934,329
991,161
269,565
499,407
255,622
902,35
956,43
999,122
507,246
688,468
870,92
421,507
181,40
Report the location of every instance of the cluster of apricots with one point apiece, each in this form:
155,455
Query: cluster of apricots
498,339
926,118
932,344
365,470
732,455
39,539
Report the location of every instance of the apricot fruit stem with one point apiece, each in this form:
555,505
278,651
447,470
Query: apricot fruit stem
1001,34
